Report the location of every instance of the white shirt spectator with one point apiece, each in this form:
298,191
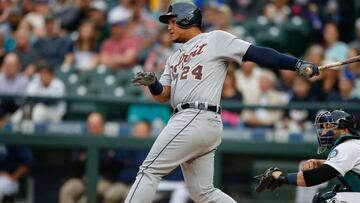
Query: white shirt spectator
43,112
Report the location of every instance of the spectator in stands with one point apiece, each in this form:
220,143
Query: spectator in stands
47,85
244,9
268,96
247,81
327,84
97,14
2,48
67,13
108,188
121,50
5,7
11,82
223,21
315,54
346,85
334,49
14,20
15,163
2,119
277,11
53,47
143,27
85,55
36,17
355,44
298,120
353,67
286,81
230,93
209,15
95,124
124,8
27,55
156,59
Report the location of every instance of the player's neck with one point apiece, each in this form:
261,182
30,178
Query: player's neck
191,33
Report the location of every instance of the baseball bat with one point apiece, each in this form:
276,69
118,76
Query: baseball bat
336,64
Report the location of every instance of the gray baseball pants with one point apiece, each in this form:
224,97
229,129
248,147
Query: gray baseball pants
190,139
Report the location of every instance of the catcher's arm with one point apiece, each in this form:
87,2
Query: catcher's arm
311,164
273,178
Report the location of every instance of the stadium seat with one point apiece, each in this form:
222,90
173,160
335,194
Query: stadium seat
296,32
124,76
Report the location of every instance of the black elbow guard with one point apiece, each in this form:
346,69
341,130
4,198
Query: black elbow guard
319,175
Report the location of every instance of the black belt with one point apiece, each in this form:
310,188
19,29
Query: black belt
199,105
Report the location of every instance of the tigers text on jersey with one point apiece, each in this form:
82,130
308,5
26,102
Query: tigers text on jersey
196,72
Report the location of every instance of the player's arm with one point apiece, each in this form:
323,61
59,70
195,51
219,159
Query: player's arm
310,177
164,96
159,92
311,164
273,59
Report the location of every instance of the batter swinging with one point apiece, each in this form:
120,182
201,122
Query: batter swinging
192,81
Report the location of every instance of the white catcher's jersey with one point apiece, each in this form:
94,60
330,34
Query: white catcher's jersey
196,72
345,157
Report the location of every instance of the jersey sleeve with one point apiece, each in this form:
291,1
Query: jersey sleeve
165,78
229,47
344,157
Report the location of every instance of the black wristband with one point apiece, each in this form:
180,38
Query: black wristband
156,88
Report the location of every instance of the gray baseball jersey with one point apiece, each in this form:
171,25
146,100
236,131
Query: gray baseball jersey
196,73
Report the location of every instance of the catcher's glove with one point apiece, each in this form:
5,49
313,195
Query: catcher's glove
144,78
267,180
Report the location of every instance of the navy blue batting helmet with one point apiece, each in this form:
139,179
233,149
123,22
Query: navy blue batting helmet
187,15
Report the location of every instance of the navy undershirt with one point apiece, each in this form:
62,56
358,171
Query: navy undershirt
270,58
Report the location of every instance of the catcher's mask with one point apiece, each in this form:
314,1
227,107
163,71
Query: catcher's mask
327,123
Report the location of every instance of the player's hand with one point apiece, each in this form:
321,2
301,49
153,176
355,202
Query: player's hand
307,69
310,164
144,78
271,179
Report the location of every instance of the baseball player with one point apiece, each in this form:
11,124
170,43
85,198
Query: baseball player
335,131
192,81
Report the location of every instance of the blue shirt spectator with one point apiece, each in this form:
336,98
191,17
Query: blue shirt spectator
15,163
53,47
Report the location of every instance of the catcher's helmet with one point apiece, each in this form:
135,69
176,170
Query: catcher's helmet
187,15
327,122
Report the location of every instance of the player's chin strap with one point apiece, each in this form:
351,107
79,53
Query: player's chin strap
351,180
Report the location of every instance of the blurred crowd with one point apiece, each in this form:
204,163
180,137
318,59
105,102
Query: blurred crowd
53,48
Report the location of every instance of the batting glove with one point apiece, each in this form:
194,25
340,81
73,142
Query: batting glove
144,78
306,69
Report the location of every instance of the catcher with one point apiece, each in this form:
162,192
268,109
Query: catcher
335,131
